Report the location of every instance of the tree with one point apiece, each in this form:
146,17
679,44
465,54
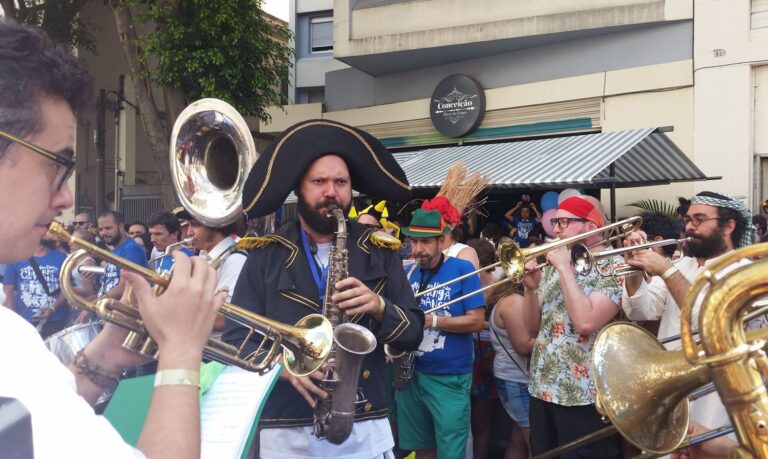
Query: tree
59,18
225,49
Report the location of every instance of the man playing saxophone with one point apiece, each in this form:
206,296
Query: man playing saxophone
285,278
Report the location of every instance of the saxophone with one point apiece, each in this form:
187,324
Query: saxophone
736,365
402,365
334,416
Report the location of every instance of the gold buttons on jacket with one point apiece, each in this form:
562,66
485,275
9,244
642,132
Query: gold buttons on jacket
368,407
366,374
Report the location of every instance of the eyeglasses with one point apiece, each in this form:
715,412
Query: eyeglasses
563,222
67,165
697,220
79,223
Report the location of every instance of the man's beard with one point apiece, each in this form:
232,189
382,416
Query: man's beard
707,246
319,221
111,240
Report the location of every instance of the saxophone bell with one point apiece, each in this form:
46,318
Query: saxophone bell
353,343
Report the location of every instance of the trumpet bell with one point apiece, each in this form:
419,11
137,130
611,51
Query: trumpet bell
643,388
315,346
212,152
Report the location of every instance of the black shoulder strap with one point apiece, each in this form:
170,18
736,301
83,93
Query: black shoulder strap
507,352
40,277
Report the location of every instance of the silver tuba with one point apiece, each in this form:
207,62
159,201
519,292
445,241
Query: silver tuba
212,152
334,416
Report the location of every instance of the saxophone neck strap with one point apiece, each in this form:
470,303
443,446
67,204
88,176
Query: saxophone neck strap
319,273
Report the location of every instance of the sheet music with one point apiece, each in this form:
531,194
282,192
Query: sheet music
229,409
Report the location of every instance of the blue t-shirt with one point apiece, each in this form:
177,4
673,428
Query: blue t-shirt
29,291
524,228
442,352
165,265
128,250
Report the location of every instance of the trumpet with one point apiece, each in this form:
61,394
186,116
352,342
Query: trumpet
584,260
168,250
513,259
306,345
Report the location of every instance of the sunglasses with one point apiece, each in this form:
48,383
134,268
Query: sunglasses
67,165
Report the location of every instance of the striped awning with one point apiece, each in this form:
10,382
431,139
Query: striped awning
639,157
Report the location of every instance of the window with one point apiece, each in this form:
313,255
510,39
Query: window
759,14
321,34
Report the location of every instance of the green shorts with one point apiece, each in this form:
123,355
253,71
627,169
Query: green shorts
433,412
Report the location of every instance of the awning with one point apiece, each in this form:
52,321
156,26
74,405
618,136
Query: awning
637,157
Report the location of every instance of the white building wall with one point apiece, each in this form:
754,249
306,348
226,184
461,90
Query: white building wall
729,98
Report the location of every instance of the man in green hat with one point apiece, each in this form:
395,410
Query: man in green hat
433,411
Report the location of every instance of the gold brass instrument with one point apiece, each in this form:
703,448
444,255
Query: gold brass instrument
736,363
334,416
512,258
583,260
652,414
305,345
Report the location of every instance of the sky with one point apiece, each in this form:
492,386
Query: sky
277,8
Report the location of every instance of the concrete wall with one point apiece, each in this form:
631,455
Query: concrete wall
309,69
425,24
728,134
650,45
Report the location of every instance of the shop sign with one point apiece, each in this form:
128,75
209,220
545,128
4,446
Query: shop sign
457,106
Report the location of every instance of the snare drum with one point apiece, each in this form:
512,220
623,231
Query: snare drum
67,342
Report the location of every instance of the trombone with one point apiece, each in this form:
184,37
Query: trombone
583,260
512,258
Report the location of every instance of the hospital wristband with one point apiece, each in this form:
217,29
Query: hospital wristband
669,272
177,377
434,321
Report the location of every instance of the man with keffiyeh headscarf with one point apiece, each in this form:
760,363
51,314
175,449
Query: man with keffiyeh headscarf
717,224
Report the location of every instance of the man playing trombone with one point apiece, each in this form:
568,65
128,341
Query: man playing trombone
716,224
42,86
573,308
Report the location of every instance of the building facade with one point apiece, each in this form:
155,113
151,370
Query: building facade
548,69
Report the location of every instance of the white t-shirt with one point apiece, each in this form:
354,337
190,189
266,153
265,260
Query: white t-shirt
63,423
369,439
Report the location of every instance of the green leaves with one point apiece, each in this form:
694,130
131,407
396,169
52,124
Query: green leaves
224,49
655,206
573,354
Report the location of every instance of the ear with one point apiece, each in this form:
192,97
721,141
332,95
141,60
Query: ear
729,227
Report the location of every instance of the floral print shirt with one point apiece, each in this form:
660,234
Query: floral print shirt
560,365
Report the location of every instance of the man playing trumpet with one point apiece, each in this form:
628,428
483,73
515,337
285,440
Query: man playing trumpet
716,224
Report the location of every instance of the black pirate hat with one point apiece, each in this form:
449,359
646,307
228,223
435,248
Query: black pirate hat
372,168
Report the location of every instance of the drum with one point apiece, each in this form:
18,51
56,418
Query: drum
67,342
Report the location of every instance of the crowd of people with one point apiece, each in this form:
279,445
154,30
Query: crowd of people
458,342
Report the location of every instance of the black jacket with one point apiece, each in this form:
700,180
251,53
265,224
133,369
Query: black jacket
276,281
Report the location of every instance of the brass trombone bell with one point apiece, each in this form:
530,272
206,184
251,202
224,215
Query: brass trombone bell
306,345
584,260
